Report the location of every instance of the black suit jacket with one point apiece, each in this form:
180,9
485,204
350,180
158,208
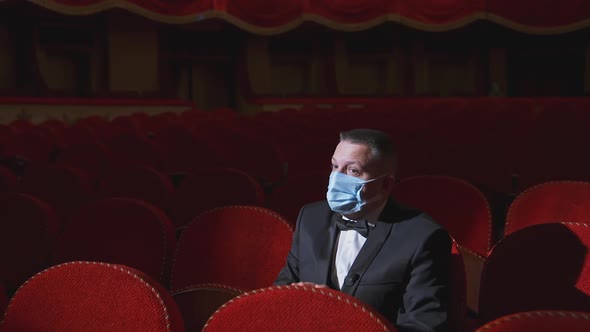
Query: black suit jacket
402,270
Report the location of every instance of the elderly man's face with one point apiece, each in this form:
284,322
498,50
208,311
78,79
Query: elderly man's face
355,160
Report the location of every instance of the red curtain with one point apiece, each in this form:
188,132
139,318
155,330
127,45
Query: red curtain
350,11
264,13
550,15
272,16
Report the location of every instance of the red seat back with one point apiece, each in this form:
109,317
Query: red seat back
90,296
65,188
550,202
91,157
243,247
294,308
28,228
457,205
298,190
129,149
540,267
120,231
540,321
185,152
208,189
140,182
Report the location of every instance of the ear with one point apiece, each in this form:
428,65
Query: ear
388,183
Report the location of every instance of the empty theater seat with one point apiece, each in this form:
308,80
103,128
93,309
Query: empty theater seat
540,267
212,188
121,231
550,202
295,308
298,190
243,247
90,296
540,321
65,188
457,205
140,182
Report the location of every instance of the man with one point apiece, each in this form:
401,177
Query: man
361,242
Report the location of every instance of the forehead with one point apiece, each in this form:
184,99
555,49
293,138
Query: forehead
352,152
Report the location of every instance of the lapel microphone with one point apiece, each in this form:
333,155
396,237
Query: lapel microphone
351,279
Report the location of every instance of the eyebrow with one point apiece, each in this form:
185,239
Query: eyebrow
352,163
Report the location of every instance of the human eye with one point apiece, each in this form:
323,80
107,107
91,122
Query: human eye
354,172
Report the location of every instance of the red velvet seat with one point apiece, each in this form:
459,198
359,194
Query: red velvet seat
159,121
81,133
298,190
130,149
197,303
247,152
28,228
34,145
98,126
140,182
185,152
129,124
457,205
243,247
553,152
91,157
540,267
550,202
120,231
90,296
294,308
211,188
65,188
540,321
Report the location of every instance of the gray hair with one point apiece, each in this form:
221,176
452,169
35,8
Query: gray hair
381,145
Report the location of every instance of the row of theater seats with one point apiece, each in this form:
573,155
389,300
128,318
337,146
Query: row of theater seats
500,145
244,247
458,205
68,297
461,207
67,188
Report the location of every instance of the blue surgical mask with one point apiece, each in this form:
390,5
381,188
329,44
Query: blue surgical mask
344,193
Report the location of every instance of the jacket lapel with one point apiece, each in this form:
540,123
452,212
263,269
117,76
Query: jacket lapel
377,237
326,249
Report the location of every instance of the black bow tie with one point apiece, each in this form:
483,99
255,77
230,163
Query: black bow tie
361,226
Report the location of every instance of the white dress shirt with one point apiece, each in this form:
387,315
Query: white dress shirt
349,245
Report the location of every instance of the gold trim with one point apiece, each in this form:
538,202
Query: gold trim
532,30
267,31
